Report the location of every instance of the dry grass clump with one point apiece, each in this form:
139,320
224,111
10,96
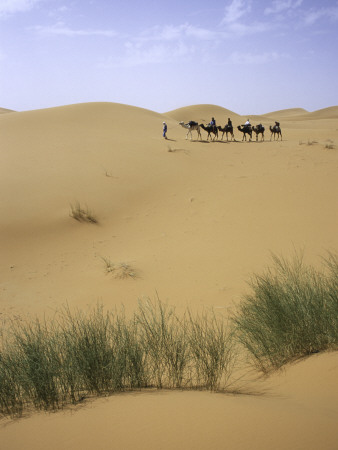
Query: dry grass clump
173,150
82,214
292,312
330,146
120,270
308,142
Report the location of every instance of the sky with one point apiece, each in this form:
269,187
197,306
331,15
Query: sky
250,56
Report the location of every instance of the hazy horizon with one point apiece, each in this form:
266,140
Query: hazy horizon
250,57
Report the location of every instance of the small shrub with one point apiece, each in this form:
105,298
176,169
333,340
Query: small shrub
309,143
82,214
120,270
330,146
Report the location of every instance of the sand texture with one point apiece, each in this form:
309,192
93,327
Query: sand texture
193,220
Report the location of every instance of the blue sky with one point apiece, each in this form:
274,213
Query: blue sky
251,56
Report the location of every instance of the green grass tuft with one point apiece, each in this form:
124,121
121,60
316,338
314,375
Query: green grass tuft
50,364
292,312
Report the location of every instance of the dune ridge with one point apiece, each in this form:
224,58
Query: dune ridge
5,111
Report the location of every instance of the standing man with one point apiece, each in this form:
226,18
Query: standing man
165,129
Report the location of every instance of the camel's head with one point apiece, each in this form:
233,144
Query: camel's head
181,123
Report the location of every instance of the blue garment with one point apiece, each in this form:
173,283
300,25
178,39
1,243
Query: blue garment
165,128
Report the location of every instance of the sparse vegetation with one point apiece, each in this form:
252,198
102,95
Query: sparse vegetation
308,142
82,214
50,364
330,146
173,150
292,312
121,270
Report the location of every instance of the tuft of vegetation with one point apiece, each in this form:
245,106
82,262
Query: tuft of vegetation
292,312
121,270
309,143
81,214
212,348
74,355
330,146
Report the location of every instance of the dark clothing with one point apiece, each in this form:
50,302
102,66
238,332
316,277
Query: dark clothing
165,128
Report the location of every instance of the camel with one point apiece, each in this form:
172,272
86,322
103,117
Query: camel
227,129
276,129
259,130
210,129
191,126
245,129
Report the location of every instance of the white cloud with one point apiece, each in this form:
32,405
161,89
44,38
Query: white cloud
235,10
282,5
314,16
241,29
61,30
251,58
177,33
136,55
234,20
59,12
8,7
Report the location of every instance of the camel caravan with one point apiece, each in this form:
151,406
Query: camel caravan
247,129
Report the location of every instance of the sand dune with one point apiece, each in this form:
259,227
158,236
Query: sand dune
5,111
325,113
184,218
296,409
194,220
202,114
286,113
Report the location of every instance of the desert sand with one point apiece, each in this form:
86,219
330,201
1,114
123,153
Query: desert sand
194,220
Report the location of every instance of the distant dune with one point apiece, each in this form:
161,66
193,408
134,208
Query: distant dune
286,112
325,113
202,113
302,114
5,111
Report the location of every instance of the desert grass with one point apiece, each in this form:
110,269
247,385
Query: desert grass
309,142
330,146
120,270
292,312
48,364
213,349
82,214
